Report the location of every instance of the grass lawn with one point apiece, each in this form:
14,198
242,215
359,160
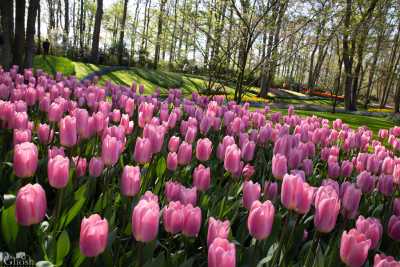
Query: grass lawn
83,69
354,120
53,64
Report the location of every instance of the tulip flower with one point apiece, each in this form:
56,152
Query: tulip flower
58,171
270,190
217,229
201,178
145,219
188,195
365,182
385,184
371,228
172,161
380,260
68,131
248,171
30,204
45,135
142,153
232,159
394,227
251,193
96,167
327,207
203,149
173,144
221,253
296,194
351,197
354,248
25,159
279,166
184,153
173,217
396,206
191,221
261,219
93,235
172,191
130,181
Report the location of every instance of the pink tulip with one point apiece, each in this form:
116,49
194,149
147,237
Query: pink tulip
25,159
394,227
93,235
110,150
396,206
82,122
188,195
191,133
142,153
221,253
248,171
232,159
201,178
327,207
172,191
248,150
346,168
388,166
217,229
270,190
380,260
173,217
251,193
173,144
145,219
96,167
21,136
385,184
308,167
279,166
396,174
31,204
145,113
333,169
351,197
296,194
371,228
58,171
68,134
44,133
130,181
191,220
354,248
172,161
365,182
261,219
184,153
203,149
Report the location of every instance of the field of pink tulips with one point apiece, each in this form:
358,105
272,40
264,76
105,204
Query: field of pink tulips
107,176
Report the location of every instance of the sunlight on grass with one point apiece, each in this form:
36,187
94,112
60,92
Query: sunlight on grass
53,64
84,69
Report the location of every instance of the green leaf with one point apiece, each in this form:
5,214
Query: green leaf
67,218
188,263
77,257
8,200
9,226
63,246
161,167
157,262
44,264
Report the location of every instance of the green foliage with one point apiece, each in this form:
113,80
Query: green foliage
53,64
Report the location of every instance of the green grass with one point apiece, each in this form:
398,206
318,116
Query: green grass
152,79
354,120
84,69
53,64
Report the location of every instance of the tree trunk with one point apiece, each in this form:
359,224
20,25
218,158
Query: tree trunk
96,32
66,24
347,57
172,46
397,98
39,40
30,32
81,29
19,42
159,32
7,24
373,68
122,33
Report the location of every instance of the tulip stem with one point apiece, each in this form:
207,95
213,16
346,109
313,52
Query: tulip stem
140,246
277,253
310,251
59,202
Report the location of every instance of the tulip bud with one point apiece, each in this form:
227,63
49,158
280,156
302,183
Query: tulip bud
93,235
173,217
191,221
173,144
68,135
248,171
251,193
248,150
31,204
371,228
96,167
394,227
380,260
221,253
45,135
203,149
188,195
145,219
184,153
365,182
385,184
172,161
25,159
217,229
327,207
279,166
354,248
130,181
142,153
270,190
232,159
261,219
201,178
58,171
296,194
351,197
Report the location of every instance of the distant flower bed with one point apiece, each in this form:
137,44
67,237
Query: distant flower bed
108,176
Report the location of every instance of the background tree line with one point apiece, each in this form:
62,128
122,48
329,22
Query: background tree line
348,47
